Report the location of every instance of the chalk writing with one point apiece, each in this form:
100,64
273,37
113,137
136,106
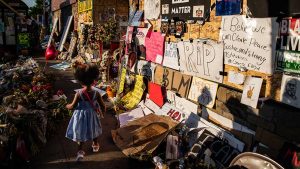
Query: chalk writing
248,42
203,91
202,59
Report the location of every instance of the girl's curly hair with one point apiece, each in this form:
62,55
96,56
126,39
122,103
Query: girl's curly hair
86,74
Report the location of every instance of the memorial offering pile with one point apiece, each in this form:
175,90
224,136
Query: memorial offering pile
29,112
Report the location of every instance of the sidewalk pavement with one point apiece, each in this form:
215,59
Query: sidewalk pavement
60,153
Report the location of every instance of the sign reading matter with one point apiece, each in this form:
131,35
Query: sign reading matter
248,42
202,59
184,9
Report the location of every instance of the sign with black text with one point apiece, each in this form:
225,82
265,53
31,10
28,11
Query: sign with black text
184,9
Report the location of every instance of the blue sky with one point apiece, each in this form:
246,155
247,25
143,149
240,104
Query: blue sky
29,3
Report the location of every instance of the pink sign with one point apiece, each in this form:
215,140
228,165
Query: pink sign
154,43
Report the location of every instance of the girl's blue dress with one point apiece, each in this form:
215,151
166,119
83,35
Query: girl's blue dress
84,124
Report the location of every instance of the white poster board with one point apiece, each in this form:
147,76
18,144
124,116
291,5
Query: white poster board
185,105
249,42
251,91
171,57
203,91
290,90
65,34
152,9
175,113
202,59
141,35
52,32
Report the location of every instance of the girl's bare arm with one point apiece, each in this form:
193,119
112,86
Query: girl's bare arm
74,102
101,102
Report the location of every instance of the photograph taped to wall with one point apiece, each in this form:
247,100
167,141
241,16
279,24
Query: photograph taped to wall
290,90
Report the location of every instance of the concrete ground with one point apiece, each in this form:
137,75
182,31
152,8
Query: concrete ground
60,153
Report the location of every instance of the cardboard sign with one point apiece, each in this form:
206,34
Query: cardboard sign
171,97
184,9
144,68
251,91
290,90
172,151
131,115
65,33
152,9
249,42
236,78
203,91
177,82
173,112
202,59
156,94
225,7
152,106
194,31
185,105
288,61
210,30
122,81
171,57
132,98
142,135
137,18
154,47
141,35
159,75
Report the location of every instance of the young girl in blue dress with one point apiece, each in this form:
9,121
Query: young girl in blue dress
85,124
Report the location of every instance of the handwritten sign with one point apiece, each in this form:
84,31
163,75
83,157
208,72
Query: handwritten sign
202,59
184,9
171,57
122,81
224,7
159,75
185,105
152,106
141,35
177,82
251,91
175,113
290,90
152,9
236,78
154,47
203,91
132,98
249,42
171,97
288,61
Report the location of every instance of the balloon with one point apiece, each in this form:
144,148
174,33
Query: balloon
51,53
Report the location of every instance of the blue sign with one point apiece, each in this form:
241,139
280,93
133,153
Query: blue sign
228,7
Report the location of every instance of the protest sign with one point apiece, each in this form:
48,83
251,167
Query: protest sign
141,35
202,59
152,9
171,57
290,90
154,47
136,18
249,42
184,9
185,105
122,81
144,68
203,91
288,61
177,82
251,91
156,93
132,98
159,75
173,112
225,7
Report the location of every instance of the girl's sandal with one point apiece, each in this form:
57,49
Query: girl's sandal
96,148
